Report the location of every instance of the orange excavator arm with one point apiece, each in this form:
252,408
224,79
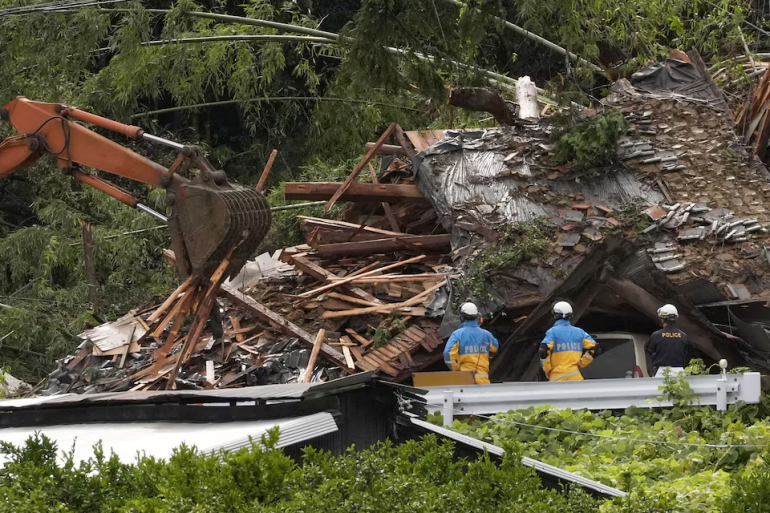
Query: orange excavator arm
209,216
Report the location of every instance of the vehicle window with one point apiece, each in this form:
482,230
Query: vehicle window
617,358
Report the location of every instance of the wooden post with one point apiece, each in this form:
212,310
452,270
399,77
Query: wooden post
88,257
319,339
385,205
266,171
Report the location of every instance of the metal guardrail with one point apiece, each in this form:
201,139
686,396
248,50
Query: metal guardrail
593,394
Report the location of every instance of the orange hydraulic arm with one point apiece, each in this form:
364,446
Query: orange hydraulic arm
49,128
210,218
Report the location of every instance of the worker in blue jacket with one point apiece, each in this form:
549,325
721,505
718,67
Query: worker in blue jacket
469,346
566,349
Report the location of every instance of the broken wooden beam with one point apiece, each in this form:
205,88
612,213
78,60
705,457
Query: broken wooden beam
363,192
425,243
354,174
317,343
267,315
387,149
322,275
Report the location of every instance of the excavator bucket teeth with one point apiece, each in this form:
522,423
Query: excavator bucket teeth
214,221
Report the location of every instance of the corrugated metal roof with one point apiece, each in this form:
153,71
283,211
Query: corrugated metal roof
266,392
472,171
159,439
701,291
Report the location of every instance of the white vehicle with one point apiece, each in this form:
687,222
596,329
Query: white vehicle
622,353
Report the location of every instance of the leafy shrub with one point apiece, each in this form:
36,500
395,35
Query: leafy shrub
592,142
414,476
684,458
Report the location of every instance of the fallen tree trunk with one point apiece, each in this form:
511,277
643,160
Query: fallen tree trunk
481,100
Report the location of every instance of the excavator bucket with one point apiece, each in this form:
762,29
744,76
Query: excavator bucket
212,221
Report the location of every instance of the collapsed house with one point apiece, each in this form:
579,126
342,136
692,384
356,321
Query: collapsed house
678,218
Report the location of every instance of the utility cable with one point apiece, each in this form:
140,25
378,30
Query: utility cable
597,435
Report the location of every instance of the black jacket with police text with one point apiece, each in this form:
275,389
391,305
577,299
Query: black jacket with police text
668,348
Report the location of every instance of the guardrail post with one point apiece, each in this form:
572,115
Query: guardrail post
448,410
722,387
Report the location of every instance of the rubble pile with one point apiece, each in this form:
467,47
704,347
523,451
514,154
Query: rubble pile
374,290
357,297
714,215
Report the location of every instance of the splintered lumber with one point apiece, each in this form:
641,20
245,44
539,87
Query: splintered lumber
405,143
394,278
343,281
267,315
169,301
352,177
373,247
357,192
317,343
385,309
319,273
266,171
350,299
344,224
201,317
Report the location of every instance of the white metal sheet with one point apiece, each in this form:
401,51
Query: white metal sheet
539,466
159,439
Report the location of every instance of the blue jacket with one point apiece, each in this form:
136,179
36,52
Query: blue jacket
468,349
566,351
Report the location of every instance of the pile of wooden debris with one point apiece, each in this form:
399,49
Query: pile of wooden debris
358,297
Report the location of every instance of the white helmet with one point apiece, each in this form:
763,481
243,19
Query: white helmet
562,310
469,310
668,313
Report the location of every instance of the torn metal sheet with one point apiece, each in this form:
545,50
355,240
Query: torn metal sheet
467,172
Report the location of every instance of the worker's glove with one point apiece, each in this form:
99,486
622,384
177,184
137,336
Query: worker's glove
596,350
543,351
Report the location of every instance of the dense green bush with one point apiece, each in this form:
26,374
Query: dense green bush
684,458
416,476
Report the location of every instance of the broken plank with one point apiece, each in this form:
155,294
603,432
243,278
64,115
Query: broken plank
356,353
317,344
357,192
350,299
423,243
322,275
169,300
386,309
289,327
361,340
387,149
333,223
354,174
349,358
266,171
330,286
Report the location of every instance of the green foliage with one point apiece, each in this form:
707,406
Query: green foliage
750,491
592,142
640,29
285,230
518,244
414,476
42,269
668,459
